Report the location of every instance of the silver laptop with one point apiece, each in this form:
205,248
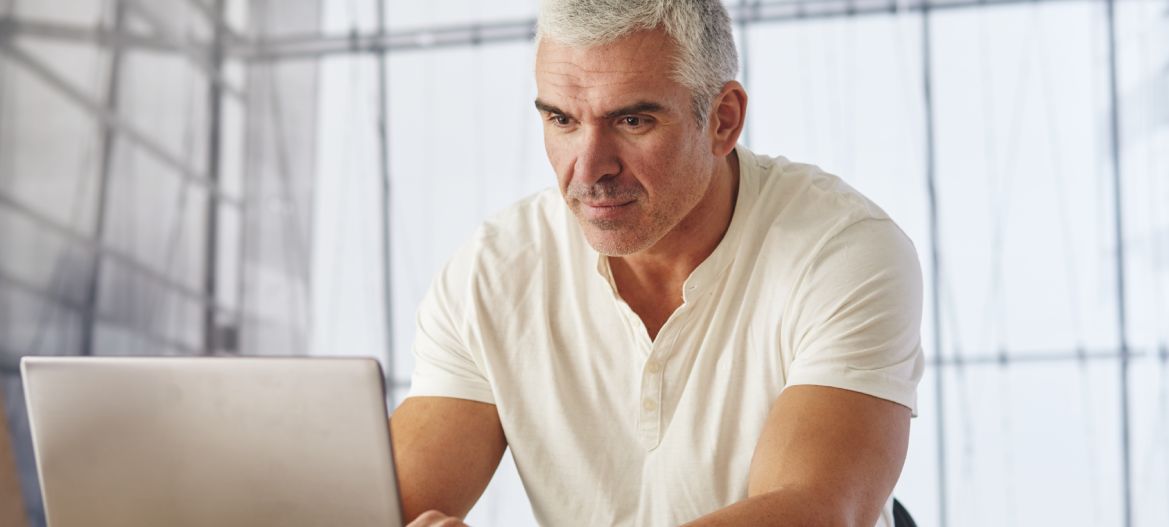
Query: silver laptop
178,442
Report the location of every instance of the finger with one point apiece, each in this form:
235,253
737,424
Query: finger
436,519
427,519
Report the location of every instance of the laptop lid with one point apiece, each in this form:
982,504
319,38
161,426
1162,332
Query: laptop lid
144,442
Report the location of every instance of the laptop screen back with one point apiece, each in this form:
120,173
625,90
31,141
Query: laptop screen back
130,442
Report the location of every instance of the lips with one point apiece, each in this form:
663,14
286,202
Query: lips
603,211
608,204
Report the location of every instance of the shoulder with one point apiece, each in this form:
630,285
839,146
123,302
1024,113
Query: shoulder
798,208
803,225
808,196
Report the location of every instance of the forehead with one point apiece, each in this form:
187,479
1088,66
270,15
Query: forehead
638,66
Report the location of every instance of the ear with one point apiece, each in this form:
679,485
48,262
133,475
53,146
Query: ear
727,118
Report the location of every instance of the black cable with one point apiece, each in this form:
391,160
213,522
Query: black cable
386,201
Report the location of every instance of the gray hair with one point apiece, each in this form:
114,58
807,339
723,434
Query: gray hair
706,59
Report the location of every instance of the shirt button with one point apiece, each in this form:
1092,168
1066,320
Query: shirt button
654,366
649,405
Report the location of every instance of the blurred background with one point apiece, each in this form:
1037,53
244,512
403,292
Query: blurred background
263,177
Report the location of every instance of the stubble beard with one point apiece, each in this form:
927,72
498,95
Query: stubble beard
605,234
620,238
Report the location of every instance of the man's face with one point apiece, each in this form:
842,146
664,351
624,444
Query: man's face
620,133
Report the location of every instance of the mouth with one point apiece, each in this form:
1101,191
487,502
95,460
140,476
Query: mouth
605,210
607,204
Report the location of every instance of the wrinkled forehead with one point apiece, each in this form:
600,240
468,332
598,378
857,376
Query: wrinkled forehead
638,66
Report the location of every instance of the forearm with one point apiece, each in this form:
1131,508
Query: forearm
783,508
445,452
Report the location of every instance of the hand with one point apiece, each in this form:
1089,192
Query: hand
436,519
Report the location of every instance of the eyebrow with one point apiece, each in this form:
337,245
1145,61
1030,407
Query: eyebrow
637,107
545,107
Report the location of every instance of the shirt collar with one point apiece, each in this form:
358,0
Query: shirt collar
713,266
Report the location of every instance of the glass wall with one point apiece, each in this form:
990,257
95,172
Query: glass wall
987,126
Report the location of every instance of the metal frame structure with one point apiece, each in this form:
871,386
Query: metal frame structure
227,44
1121,296
311,46
211,333
745,14
119,39
935,258
108,138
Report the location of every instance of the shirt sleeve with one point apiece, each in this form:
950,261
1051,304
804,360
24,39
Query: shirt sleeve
444,365
857,313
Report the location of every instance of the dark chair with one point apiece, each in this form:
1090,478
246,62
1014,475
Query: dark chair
901,517
11,499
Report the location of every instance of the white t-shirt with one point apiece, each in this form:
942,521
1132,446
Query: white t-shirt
812,284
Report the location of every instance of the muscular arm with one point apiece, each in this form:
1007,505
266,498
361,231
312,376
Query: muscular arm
827,456
445,452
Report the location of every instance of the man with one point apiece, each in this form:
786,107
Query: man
687,331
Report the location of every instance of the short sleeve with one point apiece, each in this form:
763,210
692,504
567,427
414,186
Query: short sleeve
857,315
444,364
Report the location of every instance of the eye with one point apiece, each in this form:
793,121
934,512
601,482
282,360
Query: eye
560,120
636,123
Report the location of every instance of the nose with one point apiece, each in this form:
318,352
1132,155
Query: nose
596,157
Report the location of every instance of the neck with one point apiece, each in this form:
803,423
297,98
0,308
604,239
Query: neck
672,259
